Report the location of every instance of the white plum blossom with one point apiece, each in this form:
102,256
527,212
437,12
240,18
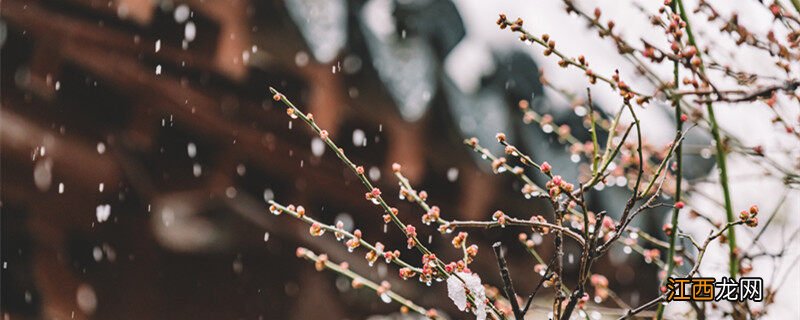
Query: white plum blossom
457,291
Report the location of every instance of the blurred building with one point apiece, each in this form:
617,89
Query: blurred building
140,145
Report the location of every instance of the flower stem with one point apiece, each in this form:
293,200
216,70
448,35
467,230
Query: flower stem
678,180
307,254
720,145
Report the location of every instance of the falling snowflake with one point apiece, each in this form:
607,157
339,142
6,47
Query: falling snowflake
102,212
457,291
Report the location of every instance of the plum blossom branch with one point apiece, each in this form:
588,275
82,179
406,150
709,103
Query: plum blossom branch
321,262
437,267
355,239
720,145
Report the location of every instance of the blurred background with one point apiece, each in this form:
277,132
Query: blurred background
140,145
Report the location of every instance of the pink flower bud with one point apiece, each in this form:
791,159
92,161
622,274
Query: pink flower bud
545,167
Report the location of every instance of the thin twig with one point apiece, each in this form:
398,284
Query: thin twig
508,286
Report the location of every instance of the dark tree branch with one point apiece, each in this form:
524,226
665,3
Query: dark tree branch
652,303
573,300
508,287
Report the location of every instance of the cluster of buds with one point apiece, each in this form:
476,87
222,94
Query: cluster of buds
500,217
529,190
551,45
429,259
502,21
407,273
339,226
459,239
458,266
624,90
431,216
676,25
590,74
472,251
275,210
316,229
557,184
388,256
690,52
511,150
411,234
354,242
426,276
372,255
691,81
516,25
445,228
373,195
428,268
749,216
497,164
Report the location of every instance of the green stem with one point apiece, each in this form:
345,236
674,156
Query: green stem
723,169
306,254
796,4
678,180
